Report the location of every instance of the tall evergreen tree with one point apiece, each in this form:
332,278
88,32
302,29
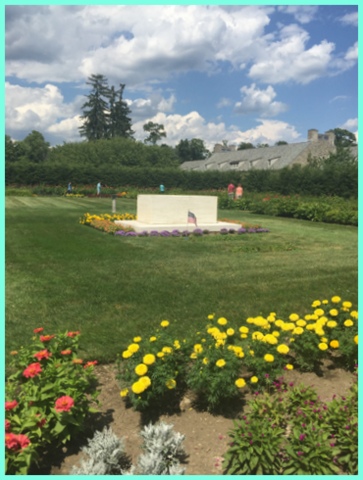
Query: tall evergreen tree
119,111
95,109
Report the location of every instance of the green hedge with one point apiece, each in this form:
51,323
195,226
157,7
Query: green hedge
333,180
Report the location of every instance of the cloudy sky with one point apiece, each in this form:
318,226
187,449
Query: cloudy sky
238,73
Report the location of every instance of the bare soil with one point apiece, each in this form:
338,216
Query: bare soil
206,435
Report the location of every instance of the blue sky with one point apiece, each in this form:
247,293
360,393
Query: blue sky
254,74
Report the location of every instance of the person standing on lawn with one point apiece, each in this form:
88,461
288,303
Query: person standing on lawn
99,189
231,189
239,191
69,188
162,188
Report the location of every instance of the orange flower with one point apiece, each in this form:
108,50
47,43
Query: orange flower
42,354
46,338
77,360
73,334
90,364
66,352
38,330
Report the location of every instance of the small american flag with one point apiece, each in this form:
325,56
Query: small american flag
192,218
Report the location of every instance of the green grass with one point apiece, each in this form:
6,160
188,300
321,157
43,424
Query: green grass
63,275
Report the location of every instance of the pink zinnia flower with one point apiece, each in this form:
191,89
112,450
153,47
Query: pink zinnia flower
73,334
42,354
90,364
32,370
66,352
16,442
38,330
46,338
11,404
64,404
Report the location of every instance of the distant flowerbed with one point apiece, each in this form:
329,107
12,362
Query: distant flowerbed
106,223
185,233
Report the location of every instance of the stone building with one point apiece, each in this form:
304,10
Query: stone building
228,158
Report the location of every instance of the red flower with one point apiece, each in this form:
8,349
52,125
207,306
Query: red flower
90,364
7,425
41,422
66,352
64,404
73,334
46,338
32,370
16,442
38,330
11,404
42,354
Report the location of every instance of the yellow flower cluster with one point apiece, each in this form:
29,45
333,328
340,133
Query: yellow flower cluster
88,218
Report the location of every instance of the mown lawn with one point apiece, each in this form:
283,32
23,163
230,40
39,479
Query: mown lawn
63,275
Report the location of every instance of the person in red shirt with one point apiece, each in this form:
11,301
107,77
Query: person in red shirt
231,189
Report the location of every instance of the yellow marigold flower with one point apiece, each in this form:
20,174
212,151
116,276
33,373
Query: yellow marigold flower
322,320
331,324
293,317
310,326
222,321
160,354
347,304
141,369
252,353
269,358
124,392
325,302
230,332
260,322
243,329
289,366
126,354
134,347
145,381
137,339
211,316
336,299
153,339
220,363
254,379
356,339
243,335
319,312
348,323
249,320
240,382
176,344
149,359
279,323
167,349
257,336
170,384
270,339
205,360
307,317
198,348
164,323
271,317
288,326
354,314
334,344
193,356
316,303
319,331
301,323
283,349
137,387
323,346
324,340
333,312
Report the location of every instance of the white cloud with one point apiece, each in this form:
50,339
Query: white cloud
224,102
350,19
259,101
301,13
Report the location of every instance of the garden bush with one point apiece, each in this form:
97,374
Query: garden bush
218,363
50,393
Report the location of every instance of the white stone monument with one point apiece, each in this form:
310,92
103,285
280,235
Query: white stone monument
176,212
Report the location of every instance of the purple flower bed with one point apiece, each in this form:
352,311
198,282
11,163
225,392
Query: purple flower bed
197,232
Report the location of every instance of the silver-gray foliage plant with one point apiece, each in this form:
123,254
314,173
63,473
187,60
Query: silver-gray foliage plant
162,451
105,451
